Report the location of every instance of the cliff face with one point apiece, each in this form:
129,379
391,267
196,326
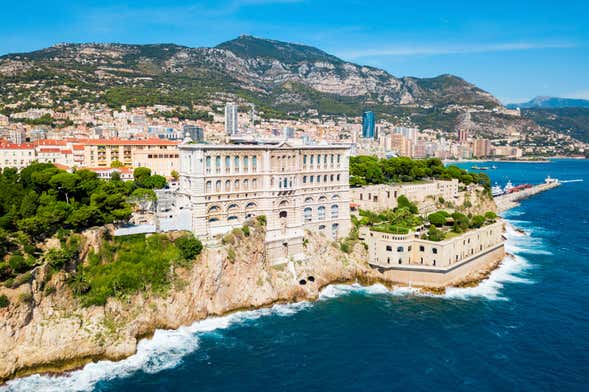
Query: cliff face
52,332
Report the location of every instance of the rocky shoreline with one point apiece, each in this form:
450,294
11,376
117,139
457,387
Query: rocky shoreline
54,334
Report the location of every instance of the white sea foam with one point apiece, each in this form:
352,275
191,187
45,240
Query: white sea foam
164,350
167,348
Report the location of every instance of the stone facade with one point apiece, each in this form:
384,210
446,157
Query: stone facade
295,187
413,259
425,194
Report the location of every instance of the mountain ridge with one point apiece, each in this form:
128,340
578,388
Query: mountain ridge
547,102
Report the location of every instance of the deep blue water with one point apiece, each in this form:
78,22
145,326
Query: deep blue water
526,329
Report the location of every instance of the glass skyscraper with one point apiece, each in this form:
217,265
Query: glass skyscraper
368,125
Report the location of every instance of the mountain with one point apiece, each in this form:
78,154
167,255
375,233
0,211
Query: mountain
280,78
572,121
551,103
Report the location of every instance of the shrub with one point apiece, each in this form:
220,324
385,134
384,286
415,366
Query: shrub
25,298
261,219
435,234
231,256
18,263
403,202
438,218
246,230
477,221
4,301
189,246
490,215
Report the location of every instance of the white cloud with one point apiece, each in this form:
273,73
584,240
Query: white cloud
452,49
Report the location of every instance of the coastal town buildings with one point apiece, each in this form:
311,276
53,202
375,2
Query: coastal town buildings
296,187
231,123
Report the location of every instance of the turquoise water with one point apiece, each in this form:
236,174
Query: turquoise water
524,329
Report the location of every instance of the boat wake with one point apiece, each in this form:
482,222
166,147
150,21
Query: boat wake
167,348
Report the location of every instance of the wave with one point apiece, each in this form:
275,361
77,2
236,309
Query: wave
167,348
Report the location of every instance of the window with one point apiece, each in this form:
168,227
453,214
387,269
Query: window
209,186
331,178
227,186
332,160
304,159
307,214
319,160
236,185
338,158
245,184
311,179
285,182
236,164
208,164
213,209
421,248
435,251
232,207
409,248
232,218
325,178
282,214
334,211
311,159
218,186
389,248
254,183
334,230
308,200
246,163
321,213
338,176
400,249
255,163
218,162
304,179
227,163
318,179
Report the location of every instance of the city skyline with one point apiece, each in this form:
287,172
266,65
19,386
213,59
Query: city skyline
514,51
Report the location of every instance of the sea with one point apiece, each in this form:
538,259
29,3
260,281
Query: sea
525,328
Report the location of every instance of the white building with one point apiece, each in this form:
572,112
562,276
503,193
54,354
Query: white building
295,187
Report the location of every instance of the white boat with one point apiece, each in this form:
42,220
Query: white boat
550,180
496,190
508,187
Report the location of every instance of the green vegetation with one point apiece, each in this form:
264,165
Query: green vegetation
456,222
126,265
366,170
401,220
41,201
4,301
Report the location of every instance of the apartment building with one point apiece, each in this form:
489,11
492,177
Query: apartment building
297,188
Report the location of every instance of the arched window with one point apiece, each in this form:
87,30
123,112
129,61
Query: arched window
254,183
250,205
236,185
318,179
227,163
218,186
325,160
232,218
334,211
331,159
304,159
208,164
213,209
209,186
233,207
304,179
213,220
308,200
245,184
236,164
325,178
285,182
321,227
227,186
246,163
319,160
331,178
335,197
311,179
308,214
321,213
338,177
218,162
254,163
322,198
311,159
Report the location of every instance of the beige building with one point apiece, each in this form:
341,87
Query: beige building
295,187
413,260
425,194
161,156
481,148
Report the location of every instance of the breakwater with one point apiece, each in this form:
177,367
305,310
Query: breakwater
511,200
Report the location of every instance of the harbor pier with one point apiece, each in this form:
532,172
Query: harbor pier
511,200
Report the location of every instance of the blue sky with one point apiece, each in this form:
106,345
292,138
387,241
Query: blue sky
515,50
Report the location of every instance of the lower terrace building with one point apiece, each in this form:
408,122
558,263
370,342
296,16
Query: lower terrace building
415,261
295,187
424,194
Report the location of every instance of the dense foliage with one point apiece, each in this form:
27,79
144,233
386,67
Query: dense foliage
366,170
130,264
42,200
401,220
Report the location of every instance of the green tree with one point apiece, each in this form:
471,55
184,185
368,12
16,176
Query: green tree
189,246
